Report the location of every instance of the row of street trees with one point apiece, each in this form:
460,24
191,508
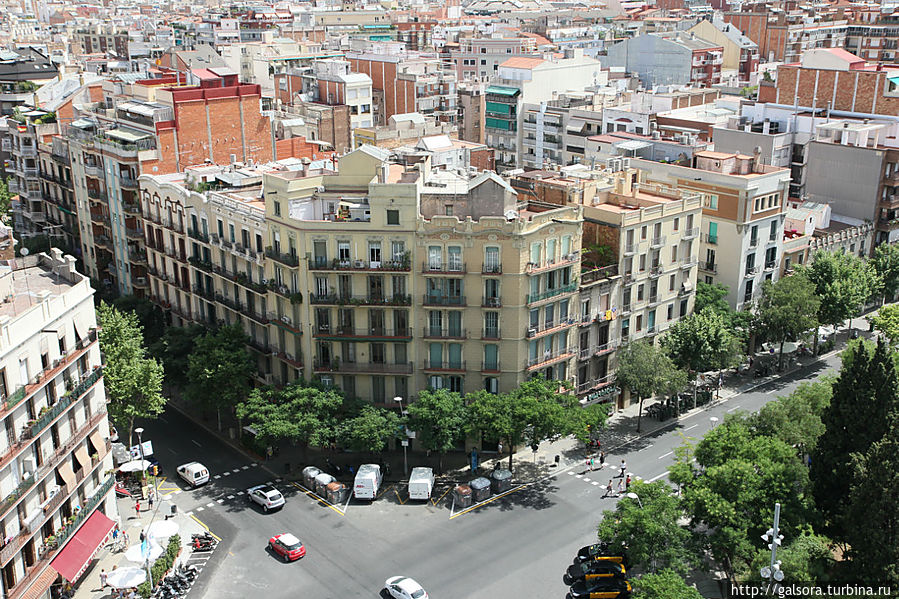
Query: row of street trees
828,453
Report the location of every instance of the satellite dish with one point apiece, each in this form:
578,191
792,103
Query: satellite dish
24,252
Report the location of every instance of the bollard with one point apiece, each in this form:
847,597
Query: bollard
558,459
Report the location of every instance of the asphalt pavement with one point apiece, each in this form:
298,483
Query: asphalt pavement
514,546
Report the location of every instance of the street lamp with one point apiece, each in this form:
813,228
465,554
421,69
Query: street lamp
774,539
140,445
633,495
404,442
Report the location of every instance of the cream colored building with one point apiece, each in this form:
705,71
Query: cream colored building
55,462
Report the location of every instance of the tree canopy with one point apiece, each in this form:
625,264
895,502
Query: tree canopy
666,584
219,369
299,412
843,282
647,370
887,322
886,265
370,430
787,309
439,418
133,381
702,341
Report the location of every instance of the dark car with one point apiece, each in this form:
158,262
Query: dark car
600,588
589,551
594,569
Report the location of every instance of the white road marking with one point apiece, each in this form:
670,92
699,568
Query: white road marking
230,497
245,468
189,514
691,427
194,441
570,473
665,455
579,476
594,483
277,480
226,474
734,408
178,492
236,470
220,501
199,509
217,476
587,480
210,504
655,478
254,464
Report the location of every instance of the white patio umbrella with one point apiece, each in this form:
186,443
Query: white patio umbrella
124,578
163,529
136,555
135,466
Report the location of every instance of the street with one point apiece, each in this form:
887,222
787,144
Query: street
515,546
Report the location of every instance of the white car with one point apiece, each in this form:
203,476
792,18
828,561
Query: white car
267,496
403,587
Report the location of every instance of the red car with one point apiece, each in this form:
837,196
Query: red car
287,546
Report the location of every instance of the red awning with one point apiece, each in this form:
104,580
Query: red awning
77,553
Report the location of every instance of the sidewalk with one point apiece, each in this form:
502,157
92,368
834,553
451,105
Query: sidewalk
88,586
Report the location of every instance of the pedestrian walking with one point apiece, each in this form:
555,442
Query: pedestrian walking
620,485
103,576
115,534
623,469
499,448
608,489
137,508
591,464
627,483
602,460
143,536
150,500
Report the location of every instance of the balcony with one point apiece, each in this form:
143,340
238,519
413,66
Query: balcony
491,302
491,269
550,293
550,328
93,170
361,300
96,194
656,271
708,267
444,333
753,242
290,359
604,273
338,332
290,260
551,357
444,268
131,208
688,263
337,365
295,297
398,265
128,183
708,238
140,282
595,384
492,367
751,271
444,365
201,264
259,345
194,234
103,241
691,233
770,266
444,300
657,242
566,260
134,234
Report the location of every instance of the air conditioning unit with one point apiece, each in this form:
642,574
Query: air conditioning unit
532,332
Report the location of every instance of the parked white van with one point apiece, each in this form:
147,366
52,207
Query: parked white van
368,481
421,483
194,473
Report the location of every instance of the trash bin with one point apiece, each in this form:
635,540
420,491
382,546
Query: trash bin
501,480
309,474
480,489
321,483
337,493
463,496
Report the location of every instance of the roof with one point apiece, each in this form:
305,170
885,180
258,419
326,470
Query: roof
289,539
840,53
436,142
522,62
500,90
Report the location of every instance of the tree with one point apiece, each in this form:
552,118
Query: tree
666,584
713,296
439,418
886,265
843,282
702,341
649,527
133,382
5,200
588,421
150,316
536,411
887,321
865,398
174,349
300,412
806,557
370,430
646,370
796,418
219,370
786,309
874,511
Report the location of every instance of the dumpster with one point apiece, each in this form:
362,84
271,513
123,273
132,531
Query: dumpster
321,482
480,489
337,493
501,480
462,494
309,474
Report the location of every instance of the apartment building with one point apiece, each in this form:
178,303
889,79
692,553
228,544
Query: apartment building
102,38
666,59
59,194
335,84
743,203
478,58
740,57
21,72
401,129
55,464
21,143
154,126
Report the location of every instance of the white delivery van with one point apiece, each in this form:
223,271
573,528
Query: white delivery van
421,483
368,481
194,473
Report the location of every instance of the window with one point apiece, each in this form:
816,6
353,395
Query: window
491,360
673,253
231,232
566,245
221,228
399,286
683,308
551,251
277,207
670,311
640,293
4,389
491,385
747,295
710,201
454,324
393,217
435,323
448,210
377,389
397,250
343,252
491,259
643,233
435,382
642,262
378,353
435,257
713,232
535,254
772,235
671,282
455,258
585,309
401,386
676,224
374,253
376,288
321,286
491,324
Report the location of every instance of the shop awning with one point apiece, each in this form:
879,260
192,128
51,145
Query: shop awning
77,553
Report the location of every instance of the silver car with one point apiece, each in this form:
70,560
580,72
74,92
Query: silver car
267,496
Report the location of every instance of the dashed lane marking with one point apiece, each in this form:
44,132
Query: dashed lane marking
210,504
254,464
194,441
217,476
690,427
594,483
733,408
226,474
236,470
665,455
230,497
220,501
655,478
199,509
245,468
